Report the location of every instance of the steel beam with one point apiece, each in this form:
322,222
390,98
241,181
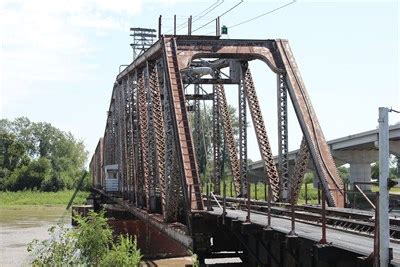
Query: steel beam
283,150
242,107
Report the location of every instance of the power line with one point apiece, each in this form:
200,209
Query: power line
264,14
201,15
229,10
212,8
208,11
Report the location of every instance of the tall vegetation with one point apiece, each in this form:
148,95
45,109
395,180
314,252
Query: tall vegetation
38,155
89,244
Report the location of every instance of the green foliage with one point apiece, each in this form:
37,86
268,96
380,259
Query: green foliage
89,244
394,169
206,141
344,173
124,253
92,237
309,178
28,176
33,197
38,155
59,250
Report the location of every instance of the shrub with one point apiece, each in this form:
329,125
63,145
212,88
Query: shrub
93,236
124,253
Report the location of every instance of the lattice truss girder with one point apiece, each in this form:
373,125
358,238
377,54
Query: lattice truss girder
283,149
242,108
300,169
217,141
229,136
261,135
148,134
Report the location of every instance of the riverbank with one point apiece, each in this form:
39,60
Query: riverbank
38,198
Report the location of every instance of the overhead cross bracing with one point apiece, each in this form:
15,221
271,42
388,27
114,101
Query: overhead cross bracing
149,136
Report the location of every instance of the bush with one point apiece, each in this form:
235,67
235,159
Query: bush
89,244
92,237
124,253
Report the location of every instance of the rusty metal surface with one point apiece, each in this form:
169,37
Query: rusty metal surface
242,110
261,134
188,162
229,137
148,133
283,136
300,169
144,139
319,149
159,131
217,140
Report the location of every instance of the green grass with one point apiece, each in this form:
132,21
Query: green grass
60,198
393,190
257,191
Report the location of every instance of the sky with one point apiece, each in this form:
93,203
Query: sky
59,59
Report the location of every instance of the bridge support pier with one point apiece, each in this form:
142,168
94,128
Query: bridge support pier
360,165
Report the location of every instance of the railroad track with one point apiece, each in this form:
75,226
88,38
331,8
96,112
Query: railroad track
348,220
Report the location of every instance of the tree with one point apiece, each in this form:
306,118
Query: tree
344,173
27,148
206,138
393,169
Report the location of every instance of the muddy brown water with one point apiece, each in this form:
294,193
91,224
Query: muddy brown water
20,225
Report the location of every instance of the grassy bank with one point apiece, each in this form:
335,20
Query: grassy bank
260,191
59,198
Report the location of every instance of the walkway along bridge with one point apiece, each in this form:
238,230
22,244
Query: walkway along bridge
149,158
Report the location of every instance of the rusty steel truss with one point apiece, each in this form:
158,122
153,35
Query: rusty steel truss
149,135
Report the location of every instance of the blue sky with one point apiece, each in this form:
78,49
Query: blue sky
59,59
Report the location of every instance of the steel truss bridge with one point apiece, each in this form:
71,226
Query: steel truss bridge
154,135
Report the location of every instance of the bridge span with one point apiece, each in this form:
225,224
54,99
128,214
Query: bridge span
156,152
358,150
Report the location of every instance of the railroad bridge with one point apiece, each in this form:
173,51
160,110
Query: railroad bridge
154,154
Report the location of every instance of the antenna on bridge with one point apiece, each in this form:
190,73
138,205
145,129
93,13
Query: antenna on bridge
142,40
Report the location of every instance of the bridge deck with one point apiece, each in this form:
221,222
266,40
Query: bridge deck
362,245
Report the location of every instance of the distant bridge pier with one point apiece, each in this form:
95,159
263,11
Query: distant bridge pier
360,165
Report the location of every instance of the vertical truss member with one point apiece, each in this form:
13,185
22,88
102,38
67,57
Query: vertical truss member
197,127
144,139
130,138
138,166
151,144
242,136
229,137
119,132
283,164
261,134
171,173
300,168
217,156
123,127
159,135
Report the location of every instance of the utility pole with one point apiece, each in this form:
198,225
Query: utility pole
143,38
384,238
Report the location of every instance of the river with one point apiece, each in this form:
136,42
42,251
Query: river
19,225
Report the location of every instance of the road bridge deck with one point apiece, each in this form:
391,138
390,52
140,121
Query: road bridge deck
362,245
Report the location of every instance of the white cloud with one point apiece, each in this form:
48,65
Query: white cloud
45,41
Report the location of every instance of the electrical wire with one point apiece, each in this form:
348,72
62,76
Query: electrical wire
226,12
259,16
201,15
262,15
